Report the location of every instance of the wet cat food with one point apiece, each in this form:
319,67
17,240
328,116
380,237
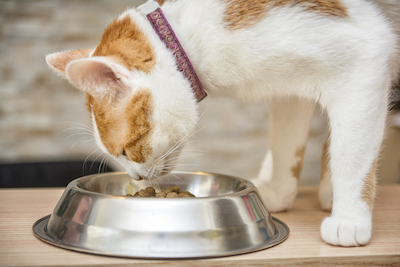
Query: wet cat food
171,192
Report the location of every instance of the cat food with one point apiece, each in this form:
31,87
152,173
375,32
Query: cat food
171,192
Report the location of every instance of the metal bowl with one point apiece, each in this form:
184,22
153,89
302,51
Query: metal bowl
227,217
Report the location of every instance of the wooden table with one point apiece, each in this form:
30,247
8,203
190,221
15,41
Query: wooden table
20,208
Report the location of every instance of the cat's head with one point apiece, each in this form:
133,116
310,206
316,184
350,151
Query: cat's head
142,108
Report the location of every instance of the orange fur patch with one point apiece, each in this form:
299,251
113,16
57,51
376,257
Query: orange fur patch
125,129
123,41
368,191
296,169
246,13
60,61
140,110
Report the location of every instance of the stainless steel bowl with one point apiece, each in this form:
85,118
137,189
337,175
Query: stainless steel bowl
227,217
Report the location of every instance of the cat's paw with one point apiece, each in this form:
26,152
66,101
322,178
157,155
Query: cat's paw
346,232
275,204
278,200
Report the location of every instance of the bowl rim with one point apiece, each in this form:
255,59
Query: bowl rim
39,229
249,187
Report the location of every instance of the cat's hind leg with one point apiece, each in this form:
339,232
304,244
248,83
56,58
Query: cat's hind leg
289,127
357,122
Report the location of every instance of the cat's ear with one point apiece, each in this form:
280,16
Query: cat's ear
59,61
99,76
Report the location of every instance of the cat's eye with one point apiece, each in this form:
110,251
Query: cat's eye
123,152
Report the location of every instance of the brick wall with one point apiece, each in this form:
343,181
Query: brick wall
43,118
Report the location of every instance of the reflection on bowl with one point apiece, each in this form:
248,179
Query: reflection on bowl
227,217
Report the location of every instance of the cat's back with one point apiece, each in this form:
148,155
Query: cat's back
282,36
263,25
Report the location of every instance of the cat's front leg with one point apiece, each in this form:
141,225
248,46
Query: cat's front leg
357,120
289,127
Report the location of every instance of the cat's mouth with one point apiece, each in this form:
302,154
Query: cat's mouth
152,173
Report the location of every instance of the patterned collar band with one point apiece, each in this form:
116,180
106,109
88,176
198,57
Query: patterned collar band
152,10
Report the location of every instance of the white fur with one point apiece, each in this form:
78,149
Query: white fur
293,58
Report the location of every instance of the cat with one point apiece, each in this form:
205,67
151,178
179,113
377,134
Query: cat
342,54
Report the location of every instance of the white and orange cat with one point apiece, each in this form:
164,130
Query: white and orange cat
343,54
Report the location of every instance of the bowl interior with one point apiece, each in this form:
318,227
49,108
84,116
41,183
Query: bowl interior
198,183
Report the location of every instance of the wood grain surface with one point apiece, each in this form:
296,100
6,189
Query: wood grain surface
20,208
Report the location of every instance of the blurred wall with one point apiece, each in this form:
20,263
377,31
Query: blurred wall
43,118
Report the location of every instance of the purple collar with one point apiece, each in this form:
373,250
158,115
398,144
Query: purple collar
152,10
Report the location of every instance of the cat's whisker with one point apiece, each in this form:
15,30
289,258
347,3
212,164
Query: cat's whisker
106,163
183,182
155,180
76,142
180,165
91,151
178,144
75,134
183,140
180,157
83,142
87,157
204,112
74,128
192,150
152,171
80,124
170,151
102,164
91,165
82,139
83,132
